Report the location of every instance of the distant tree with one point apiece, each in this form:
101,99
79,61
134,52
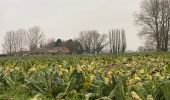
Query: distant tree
92,41
101,43
59,43
141,49
149,46
20,40
154,18
9,41
50,43
74,46
117,41
43,41
85,41
123,40
35,37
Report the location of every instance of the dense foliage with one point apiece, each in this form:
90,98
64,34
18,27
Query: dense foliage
86,77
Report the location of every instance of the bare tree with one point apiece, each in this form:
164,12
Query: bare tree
93,37
124,44
117,41
43,41
34,37
101,43
50,43
20,40
98,41
9,41
85,41
92,41
155,21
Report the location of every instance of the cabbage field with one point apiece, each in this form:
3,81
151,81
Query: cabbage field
86,77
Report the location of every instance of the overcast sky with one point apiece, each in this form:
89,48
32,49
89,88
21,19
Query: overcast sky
66,18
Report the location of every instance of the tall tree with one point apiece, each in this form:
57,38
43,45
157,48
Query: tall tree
101,43
124,44
9,41
92,41
34,37
20,40
154,18
117,41
85,41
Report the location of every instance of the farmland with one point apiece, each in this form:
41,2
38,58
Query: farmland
86,77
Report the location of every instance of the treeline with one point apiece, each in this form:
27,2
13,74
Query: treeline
22,40
89,41
72,44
